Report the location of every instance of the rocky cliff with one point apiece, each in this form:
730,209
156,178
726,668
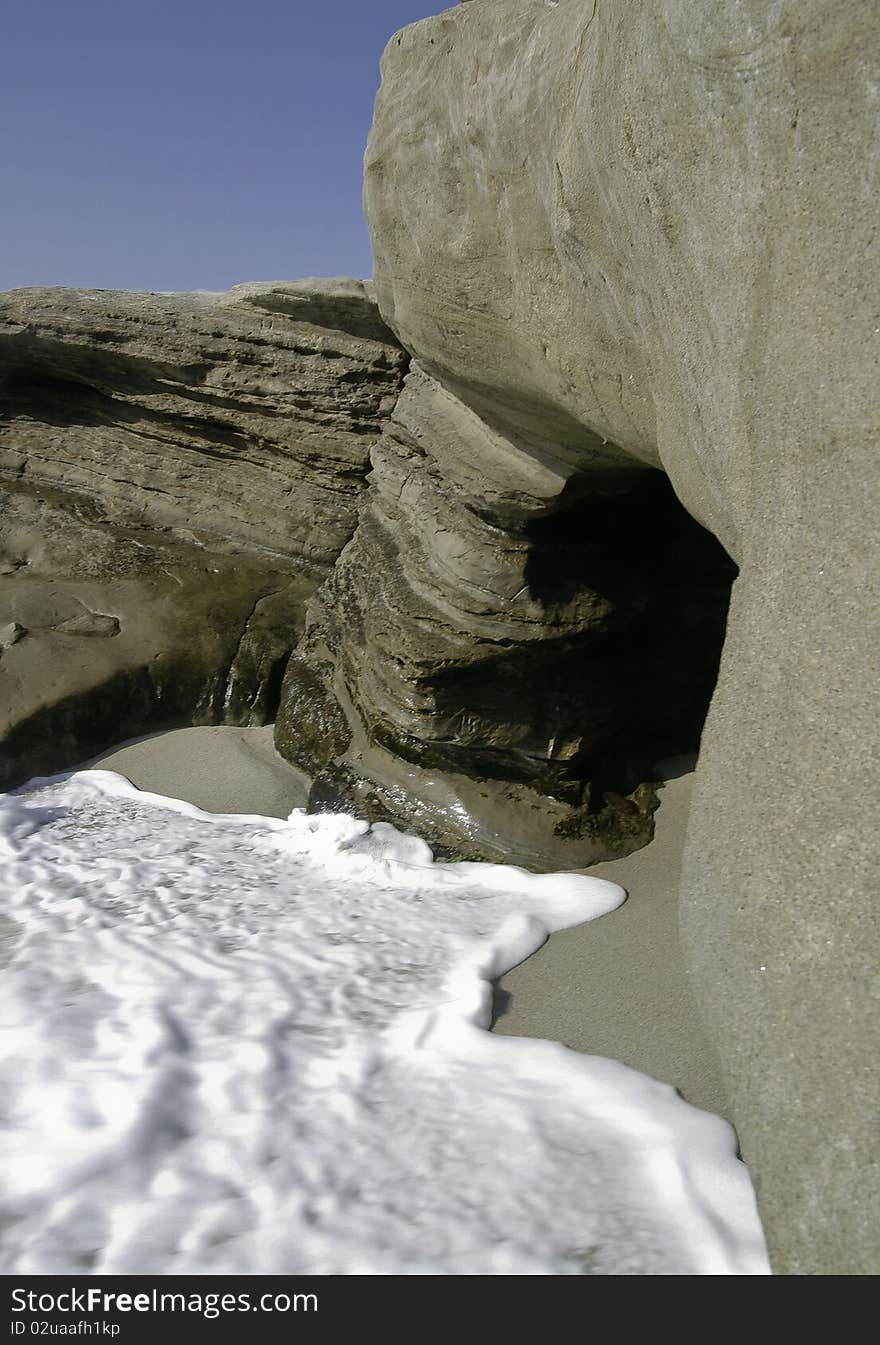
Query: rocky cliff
628,248
178,472
616,239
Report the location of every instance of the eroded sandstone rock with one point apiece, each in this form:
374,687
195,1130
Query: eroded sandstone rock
246,415
645,233
505,649
118,629
177,473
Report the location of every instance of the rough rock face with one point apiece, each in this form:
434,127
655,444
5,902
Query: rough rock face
498,660
118,629
178,472
247,415
642,233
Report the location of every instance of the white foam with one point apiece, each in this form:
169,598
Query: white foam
239,1044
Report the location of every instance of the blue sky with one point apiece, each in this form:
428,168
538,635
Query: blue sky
190,144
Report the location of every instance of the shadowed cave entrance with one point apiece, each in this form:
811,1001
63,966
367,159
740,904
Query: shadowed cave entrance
532,736
639,592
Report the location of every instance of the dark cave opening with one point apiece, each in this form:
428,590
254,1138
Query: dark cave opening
635,594
654,653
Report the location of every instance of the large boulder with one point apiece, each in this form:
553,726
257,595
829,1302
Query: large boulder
645,234
178,472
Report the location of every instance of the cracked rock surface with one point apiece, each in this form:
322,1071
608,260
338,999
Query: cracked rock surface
247,415
177,474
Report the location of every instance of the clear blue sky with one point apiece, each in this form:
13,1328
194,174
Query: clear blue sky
187,144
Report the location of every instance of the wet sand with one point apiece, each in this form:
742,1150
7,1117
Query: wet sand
615,987
222,770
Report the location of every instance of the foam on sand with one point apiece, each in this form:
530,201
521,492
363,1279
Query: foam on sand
246,1045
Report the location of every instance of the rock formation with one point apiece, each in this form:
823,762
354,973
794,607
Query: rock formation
178,472
505,649
629,249
618,238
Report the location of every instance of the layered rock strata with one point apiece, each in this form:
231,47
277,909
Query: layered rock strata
247,415
644,233
178,473
506,648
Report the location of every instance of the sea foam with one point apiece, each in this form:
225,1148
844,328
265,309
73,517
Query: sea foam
244,1045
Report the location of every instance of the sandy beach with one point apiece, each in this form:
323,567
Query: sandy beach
243,1045
615,987
222,770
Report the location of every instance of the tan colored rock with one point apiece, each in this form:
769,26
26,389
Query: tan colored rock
177,473
648,231
10,634
246,416
494,665
117,629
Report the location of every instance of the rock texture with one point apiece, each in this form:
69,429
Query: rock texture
498,659
644,234
246,416
619,241
178,473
